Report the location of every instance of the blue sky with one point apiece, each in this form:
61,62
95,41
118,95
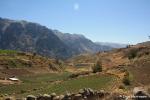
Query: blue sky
121,21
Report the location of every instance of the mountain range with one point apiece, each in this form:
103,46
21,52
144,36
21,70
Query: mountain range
33,37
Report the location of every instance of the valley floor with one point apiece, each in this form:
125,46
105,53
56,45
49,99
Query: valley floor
56,83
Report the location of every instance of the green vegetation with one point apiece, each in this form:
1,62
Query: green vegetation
126,79
58,83
132,54
62,87
97,67
42,78
94,82
31,83
8,52
16,63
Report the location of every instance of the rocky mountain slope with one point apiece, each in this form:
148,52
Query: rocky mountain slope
80,44
32,37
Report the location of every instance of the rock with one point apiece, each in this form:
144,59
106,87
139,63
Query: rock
138,89
44,97
85,97
39,94
117,96
67,96
8,98
81,91
140,94
61,97
56,98
78,97
86,92
101,93
31,97
91,91
53,94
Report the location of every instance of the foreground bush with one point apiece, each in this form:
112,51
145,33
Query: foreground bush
97,67
126,79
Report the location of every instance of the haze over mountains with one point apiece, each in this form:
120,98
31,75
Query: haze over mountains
112,45
32,37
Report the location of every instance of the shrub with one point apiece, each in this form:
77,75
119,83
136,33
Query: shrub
73,75
126,79
132,54
12,63
121,87
147,53
97,67
23,91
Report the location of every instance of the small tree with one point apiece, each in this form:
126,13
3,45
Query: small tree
97,67
126,79
33,55
132,53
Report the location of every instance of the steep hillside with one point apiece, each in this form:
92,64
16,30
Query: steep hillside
80,44
135,59
13,63
31,37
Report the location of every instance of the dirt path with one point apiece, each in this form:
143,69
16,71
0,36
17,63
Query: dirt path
6,82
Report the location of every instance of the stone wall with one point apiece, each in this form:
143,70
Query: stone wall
89,94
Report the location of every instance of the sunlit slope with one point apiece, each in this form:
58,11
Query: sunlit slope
13,63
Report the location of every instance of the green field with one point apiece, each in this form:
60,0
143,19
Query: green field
8,52
31,83
58,83
95,82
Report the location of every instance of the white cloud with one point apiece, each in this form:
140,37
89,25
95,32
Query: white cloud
76,6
